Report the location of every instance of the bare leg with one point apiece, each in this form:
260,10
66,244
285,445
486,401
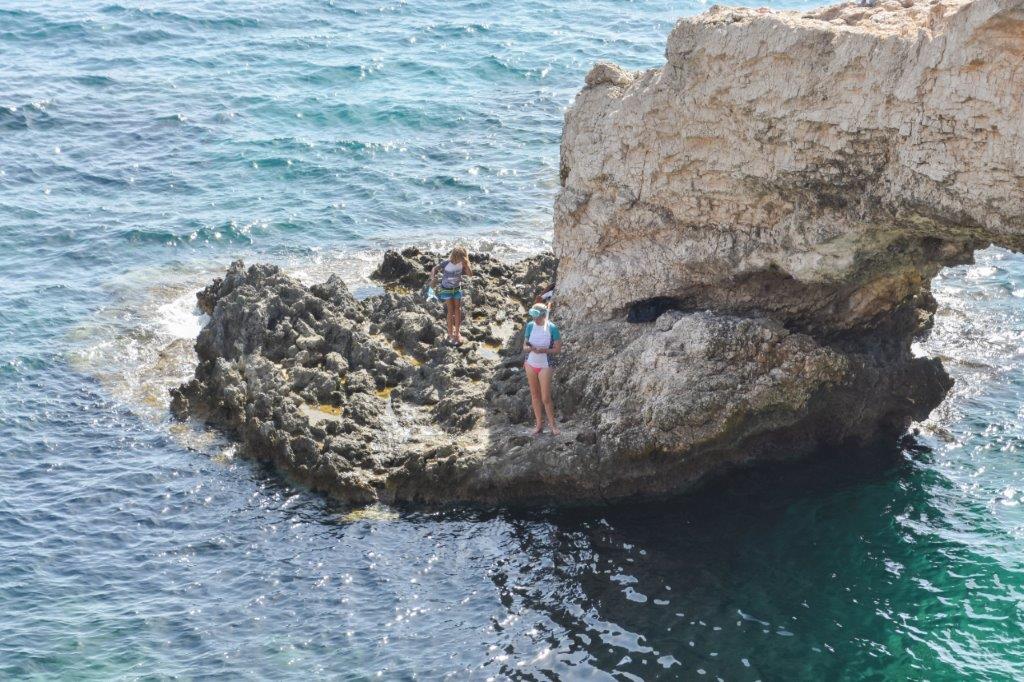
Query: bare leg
545,392
535,398
458,321
451,304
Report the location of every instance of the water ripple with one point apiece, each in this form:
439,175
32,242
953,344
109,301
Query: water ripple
146,147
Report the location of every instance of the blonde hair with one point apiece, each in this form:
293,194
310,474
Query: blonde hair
459,255
540,308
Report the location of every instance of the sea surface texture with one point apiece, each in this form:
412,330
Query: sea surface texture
145,145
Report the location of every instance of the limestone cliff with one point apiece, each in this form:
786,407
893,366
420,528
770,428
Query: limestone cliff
816,167
809,170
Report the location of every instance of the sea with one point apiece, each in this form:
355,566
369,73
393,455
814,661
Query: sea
146,144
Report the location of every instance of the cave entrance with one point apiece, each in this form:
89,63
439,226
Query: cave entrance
650,309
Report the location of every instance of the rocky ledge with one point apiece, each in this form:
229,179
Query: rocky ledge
746,238
363,400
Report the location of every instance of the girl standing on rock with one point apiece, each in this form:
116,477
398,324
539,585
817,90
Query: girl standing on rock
450,291
540,340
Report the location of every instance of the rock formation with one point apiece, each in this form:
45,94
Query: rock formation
746,240
815,167
361,399
806,172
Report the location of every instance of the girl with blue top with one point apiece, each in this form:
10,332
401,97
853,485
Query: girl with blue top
451,272
540,340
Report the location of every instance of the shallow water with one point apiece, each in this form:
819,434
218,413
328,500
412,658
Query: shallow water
144,148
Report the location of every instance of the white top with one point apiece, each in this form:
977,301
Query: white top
540,336
451,275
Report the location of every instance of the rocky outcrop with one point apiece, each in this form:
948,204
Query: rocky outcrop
816,167
360,398
746,239
806,172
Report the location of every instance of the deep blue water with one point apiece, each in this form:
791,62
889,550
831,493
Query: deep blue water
145,145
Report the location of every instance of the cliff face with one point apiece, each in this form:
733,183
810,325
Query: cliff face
746,240
818,167
806,172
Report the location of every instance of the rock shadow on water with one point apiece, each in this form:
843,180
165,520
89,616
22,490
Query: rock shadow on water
706,582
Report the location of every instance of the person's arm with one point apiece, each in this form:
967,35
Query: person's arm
527,348
467,267
433,275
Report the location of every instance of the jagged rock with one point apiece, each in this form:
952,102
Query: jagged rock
410,268
349,396
336,363
335,292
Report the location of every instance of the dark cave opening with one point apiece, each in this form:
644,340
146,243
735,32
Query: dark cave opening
650,309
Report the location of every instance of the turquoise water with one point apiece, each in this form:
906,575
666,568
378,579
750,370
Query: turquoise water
145,145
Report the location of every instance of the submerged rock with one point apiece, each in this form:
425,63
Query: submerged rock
745,236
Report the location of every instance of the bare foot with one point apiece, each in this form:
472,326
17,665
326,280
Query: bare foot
538,430
555,431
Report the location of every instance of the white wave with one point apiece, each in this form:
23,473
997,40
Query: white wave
981,272
180,318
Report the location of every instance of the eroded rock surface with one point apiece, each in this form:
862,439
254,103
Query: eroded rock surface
818,167
360,398
808,172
